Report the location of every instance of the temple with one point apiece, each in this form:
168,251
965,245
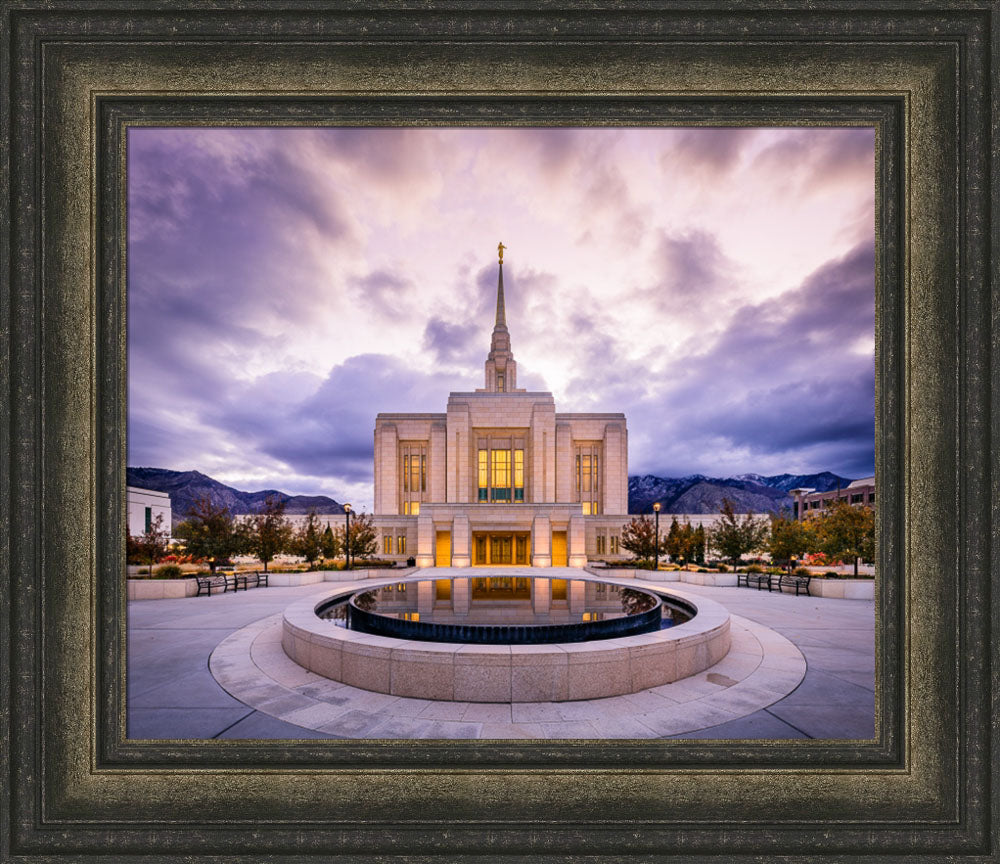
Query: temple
500,478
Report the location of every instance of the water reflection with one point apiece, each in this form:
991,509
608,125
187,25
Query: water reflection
506,600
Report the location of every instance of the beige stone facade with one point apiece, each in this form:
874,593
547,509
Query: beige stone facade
500,477
810,503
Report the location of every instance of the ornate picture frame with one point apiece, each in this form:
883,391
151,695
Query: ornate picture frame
80,74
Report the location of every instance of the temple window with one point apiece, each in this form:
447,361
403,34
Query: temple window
413,475
588,478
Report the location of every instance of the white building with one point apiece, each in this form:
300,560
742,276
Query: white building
144,505
500,477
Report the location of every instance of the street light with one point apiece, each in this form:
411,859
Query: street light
656,510
347,537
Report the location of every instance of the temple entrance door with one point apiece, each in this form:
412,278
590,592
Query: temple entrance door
442,557
559,557
501,551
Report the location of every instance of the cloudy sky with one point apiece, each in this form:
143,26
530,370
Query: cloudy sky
285,285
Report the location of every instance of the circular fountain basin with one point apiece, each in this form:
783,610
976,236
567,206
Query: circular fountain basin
505,610
412,664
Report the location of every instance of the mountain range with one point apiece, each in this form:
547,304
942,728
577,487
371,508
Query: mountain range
694,494
700,494
186,487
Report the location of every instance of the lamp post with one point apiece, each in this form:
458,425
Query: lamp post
656,510
347,536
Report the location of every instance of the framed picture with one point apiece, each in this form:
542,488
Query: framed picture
83,78
535,406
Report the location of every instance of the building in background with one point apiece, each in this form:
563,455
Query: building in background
144,505
500,477
809,502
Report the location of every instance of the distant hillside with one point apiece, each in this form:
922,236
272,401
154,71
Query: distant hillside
700,494
186,487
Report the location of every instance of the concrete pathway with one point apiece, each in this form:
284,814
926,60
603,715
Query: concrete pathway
173,694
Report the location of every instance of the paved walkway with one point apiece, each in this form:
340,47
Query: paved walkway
172,692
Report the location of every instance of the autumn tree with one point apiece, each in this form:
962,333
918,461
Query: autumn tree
363,536
789,538
151,545
733,538
847,532
210,532
269,531
639,538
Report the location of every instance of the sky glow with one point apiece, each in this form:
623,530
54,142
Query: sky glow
285,285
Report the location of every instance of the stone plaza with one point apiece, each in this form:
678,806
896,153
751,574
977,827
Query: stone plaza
214,667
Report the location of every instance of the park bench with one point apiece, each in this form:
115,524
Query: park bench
256,579
799,583
759,580
234,581
207,583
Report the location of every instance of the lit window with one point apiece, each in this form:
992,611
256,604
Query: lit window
387,544
500,469
483,477
414,508
406,473
518,475
586,508
415,464
614,544
602,545
500,383
401,544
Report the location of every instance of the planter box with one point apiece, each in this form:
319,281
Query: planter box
719,580
843,589
286,580
161,589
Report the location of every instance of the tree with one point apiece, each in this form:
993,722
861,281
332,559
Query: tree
308,540
789,538
210,532
151,545
269,531
699,543
364,538
847,532
330,543
672,543
639,538
732,538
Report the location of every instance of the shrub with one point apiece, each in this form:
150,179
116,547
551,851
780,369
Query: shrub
831,575
169,571
411,562
755,568
723,568
801,571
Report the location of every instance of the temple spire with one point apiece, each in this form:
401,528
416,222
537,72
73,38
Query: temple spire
501,309
501,370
